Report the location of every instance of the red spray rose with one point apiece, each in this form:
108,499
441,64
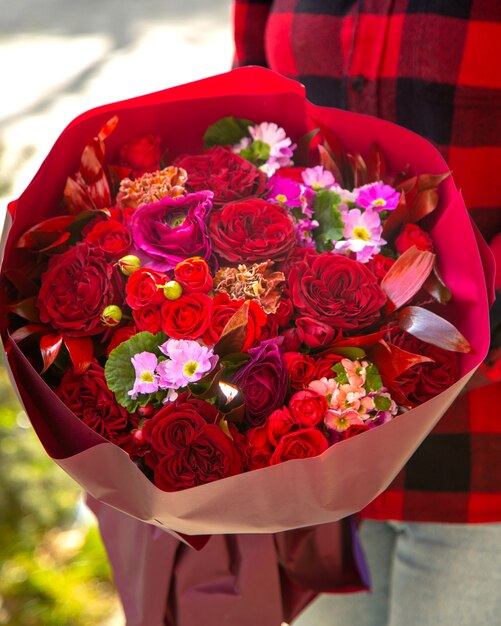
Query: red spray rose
337,291
88,396
187,317
301,368
299,444
141,155
194,275
77,286
148,318
254,230
226,174
278,424
223,309
110,236
413,235
144,288
259,448
307,408
324,365
119,336
379,265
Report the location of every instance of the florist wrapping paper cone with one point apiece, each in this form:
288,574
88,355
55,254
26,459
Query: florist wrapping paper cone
310,491
236,579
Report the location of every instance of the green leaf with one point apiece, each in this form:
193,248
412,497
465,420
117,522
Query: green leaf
226,131
350,352
120,373
257,152
341,375
373,380
331,225
382,403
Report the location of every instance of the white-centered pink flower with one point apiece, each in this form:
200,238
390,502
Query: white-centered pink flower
362,234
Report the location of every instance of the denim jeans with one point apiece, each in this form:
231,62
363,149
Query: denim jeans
422,575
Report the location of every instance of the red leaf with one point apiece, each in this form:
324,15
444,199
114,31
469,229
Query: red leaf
328,163
27,331
99,191
91,163
435,286
376,164
50,345
424,203
392,361
364,341
24,285
234,333
407,275
81,351
27,309
108,128
76,196
433,329
51,229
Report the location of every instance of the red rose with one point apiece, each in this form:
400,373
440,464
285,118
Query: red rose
88,396
148,318
77,286
337,291
291,341
188,448
226,174
355,429
379,265
278,424
111,237
270,329
299,444
307,408
119,336
314,332
223,309
141,155
254,230
194,275
301,369
259,449
284,312
413,235
144,288
187,317
324,365
425,380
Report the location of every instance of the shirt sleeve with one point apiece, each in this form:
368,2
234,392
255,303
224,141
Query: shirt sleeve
249,25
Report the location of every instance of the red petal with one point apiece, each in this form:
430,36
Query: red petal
50,345
108,128
407,275
433,329
81,351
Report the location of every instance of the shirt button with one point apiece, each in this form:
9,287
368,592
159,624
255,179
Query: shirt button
358,82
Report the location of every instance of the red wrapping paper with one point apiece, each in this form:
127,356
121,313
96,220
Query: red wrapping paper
296,494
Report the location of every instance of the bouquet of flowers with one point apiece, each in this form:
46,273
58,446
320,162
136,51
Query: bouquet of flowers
240,313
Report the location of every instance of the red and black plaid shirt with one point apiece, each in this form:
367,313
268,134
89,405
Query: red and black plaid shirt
433,66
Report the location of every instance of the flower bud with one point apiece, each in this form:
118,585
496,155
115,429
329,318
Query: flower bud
112,315
146,411
173,290
128,264
137,438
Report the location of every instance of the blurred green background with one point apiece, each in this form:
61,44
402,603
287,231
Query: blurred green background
53,568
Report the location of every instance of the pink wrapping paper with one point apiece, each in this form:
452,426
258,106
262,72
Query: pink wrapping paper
295,494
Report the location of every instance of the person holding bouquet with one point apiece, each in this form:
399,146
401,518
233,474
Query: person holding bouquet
433,539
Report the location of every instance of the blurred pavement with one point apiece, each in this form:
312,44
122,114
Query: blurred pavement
59,58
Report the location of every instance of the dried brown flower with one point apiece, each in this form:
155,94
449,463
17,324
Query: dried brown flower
258,282
152,187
